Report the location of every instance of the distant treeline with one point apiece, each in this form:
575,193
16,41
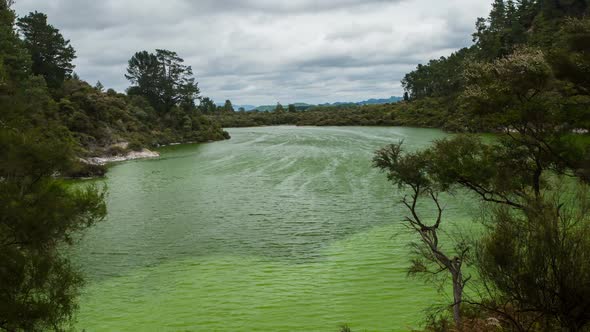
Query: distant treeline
418,114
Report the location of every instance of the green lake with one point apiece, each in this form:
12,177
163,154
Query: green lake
278,229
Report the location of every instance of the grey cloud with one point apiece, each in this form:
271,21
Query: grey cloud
290,7
264,51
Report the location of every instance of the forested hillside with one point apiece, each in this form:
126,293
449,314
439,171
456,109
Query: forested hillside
560,30
41,91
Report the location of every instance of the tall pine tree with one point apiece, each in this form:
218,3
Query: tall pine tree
52,55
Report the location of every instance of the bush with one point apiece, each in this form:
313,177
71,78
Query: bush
135,146
83,170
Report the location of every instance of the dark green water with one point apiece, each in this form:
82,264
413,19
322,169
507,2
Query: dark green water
278,229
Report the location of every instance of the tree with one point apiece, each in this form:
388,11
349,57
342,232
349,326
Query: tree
162,79
530,268
279,108
99,86
52,55
291,108
498,15
15,61
519,95
406,96
228,107
535,263
570,56
38,216
411,171
439,78
207,106
532,261
527,261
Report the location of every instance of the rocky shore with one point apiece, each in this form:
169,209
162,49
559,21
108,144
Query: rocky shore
132,155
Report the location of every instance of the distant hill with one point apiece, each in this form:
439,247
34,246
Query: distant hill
270,108
372,101
246,107
303,106
265,108
389,100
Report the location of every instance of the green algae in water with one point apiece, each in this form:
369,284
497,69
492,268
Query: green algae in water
279,229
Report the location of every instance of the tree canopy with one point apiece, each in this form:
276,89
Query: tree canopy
527,86
163,79
39,214
52,55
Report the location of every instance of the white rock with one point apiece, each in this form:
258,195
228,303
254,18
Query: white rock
143,154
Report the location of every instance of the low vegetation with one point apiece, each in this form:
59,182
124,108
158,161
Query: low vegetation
427,113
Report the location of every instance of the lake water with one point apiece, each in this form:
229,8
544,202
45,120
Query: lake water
278,229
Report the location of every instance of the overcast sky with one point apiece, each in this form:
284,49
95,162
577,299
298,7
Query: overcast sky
264,51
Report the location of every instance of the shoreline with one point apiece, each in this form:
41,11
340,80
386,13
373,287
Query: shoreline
133,155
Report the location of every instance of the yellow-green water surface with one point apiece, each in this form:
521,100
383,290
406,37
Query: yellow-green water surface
277,229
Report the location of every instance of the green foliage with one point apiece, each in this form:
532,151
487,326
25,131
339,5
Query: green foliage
519,96
207,106
416,173
512,90
532,261
162,79
135,146
52,55
43,136
426,112
15,62
100,119
556,30
228,107
39,214
439,78
539,259
531,257
571,56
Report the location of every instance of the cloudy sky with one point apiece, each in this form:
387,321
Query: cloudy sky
264,51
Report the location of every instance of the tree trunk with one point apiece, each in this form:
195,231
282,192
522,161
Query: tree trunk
457,297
